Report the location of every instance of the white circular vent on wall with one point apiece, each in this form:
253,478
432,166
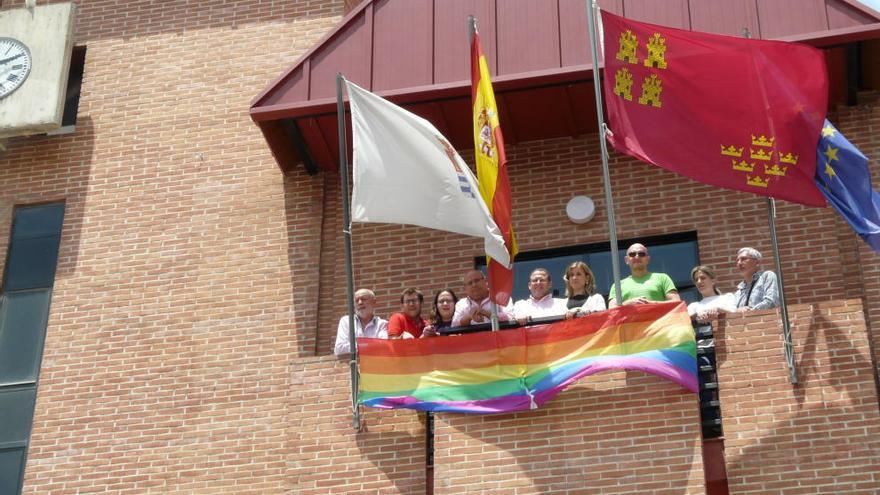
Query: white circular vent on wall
580,209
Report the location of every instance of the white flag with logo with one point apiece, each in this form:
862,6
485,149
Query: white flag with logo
406,172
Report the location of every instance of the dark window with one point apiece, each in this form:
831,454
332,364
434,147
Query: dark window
16,411
24,311
674,255
33,247
22,329
11,469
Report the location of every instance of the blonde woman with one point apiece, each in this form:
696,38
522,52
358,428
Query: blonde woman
580,287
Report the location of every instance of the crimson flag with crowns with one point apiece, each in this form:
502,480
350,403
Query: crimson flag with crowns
730,112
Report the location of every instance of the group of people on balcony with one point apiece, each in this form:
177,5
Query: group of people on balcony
757,290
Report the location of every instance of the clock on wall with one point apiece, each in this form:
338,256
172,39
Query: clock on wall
15,65
35,48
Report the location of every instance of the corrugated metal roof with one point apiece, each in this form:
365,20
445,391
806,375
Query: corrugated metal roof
415,52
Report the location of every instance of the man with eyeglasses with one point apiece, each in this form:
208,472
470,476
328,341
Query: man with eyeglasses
408,324
759,288
366,323
476,307
540,302
643,286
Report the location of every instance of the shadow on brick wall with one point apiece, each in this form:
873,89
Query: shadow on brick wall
51,179
638,438
844,363
304,217
329,456
823,431
400,455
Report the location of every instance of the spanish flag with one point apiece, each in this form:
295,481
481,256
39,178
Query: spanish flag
492,169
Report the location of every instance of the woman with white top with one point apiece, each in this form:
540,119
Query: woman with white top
713,302
580,287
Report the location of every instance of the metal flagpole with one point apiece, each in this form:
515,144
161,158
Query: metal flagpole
472,29
592,8
346,231
788,347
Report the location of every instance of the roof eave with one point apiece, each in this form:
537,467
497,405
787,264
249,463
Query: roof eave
422,94
833,37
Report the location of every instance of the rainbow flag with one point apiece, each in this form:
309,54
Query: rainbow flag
492,168
519,369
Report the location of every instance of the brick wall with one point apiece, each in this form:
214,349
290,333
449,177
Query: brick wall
328,457
819,436
187,268
862,266
617,432
195,282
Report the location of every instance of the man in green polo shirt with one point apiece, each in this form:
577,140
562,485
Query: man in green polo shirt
643,287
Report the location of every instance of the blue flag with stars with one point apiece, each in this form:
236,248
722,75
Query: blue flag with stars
843,176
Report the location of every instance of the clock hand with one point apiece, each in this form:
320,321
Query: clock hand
10,59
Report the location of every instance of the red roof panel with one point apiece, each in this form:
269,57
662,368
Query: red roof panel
415,52
672,13
728,17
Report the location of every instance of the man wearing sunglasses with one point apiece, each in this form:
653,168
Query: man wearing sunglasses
643,286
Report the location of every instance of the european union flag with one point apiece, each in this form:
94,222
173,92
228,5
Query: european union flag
843,176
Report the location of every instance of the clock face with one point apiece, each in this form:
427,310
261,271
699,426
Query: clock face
15,65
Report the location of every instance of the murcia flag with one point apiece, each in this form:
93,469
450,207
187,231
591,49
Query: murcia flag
730,112
406,172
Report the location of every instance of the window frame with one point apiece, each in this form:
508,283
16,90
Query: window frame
686,288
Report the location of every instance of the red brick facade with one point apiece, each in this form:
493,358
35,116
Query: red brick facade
198,291
613,433
819,436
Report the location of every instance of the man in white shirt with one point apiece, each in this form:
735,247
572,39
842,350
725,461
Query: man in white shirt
366,323
476,307
541,301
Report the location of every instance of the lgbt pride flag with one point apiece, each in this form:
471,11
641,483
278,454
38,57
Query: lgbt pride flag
519,369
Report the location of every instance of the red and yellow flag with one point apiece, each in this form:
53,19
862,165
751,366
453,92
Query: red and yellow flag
492,169
730,112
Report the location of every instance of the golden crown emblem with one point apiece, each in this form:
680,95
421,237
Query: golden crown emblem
743,166
775,170
760,155
788,158
762,141
757,181
732,151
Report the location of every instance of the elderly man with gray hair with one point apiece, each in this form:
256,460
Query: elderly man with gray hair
759,288
366,323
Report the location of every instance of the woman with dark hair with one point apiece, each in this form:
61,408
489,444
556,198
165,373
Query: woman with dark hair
713,301
580,287
444,308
